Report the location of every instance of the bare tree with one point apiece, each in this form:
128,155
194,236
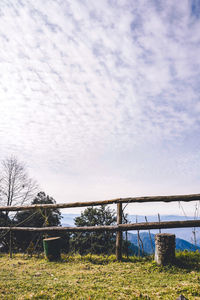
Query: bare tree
16,187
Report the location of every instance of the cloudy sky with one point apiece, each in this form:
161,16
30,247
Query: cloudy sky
101,98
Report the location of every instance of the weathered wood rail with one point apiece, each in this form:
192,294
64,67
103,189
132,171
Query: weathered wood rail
184,198
119,228
114,228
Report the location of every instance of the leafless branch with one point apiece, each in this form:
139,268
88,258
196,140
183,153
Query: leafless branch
16,188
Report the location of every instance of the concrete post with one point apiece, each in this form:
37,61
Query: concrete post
164,248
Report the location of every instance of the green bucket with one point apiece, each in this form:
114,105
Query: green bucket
52,248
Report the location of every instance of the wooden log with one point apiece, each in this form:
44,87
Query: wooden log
10,245
114,228
119,233
184,198
52,248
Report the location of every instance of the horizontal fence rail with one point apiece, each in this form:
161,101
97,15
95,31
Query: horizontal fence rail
184,198
114,228
119,228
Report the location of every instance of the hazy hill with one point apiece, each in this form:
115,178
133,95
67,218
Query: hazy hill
147,245
181,233
181,243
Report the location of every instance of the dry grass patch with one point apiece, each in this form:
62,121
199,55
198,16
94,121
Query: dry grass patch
97,277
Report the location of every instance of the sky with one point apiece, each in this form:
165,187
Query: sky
100,99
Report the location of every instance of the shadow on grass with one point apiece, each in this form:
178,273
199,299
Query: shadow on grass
188,260
103,259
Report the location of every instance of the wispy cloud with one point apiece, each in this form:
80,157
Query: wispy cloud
80,79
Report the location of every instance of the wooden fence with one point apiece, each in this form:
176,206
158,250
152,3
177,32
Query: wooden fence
119,228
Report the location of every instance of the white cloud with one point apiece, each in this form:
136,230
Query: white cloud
81,80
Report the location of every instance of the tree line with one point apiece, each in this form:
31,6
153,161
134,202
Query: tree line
17,188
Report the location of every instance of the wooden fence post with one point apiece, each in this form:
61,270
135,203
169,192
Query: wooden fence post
10,244
119,233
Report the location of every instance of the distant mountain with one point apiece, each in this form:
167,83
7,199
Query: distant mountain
133,250
68,219
148,242
181,233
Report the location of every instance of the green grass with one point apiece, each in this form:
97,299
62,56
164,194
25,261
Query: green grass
98,277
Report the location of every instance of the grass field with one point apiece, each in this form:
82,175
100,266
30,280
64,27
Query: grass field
97,277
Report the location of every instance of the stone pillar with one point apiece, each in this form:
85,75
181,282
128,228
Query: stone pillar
164,248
